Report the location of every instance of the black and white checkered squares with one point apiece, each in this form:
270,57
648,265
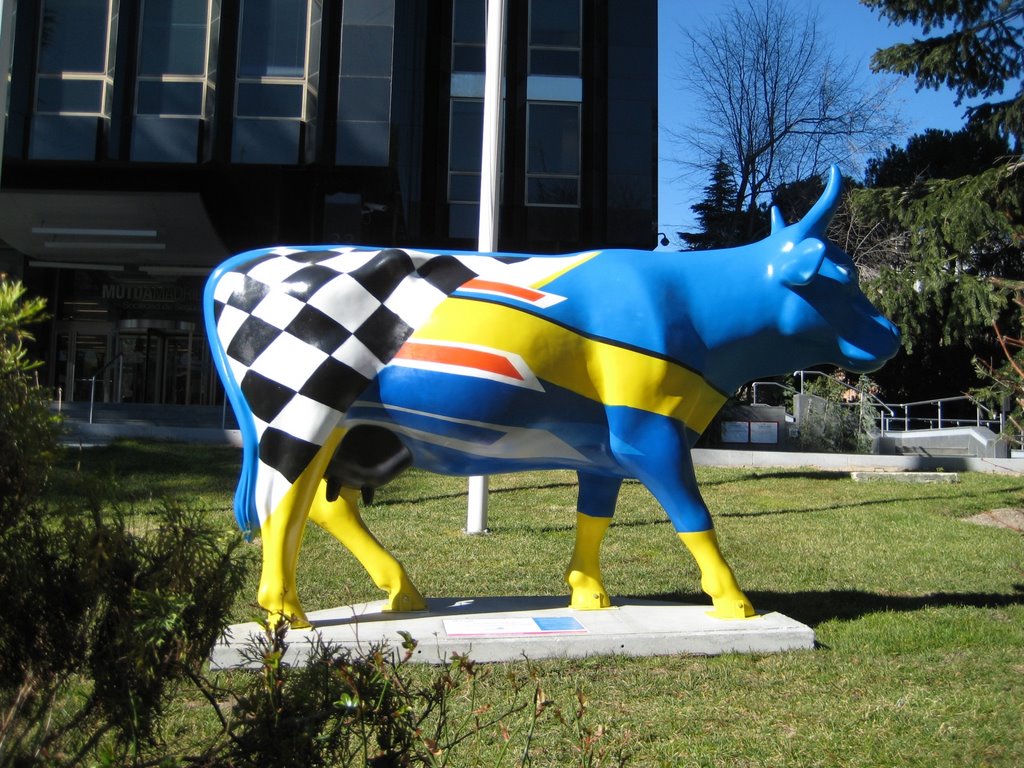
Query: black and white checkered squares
306,330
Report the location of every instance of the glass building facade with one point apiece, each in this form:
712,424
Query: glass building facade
147,140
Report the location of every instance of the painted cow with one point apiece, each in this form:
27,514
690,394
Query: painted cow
346,364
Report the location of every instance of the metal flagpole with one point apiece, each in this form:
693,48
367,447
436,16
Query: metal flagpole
476,516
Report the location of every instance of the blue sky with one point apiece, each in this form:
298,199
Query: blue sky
854,29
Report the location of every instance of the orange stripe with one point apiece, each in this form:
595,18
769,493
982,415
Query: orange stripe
518,291
465,358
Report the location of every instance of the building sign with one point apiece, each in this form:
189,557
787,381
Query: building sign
756,432
764,432
735,431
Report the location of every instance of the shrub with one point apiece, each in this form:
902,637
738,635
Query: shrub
104,610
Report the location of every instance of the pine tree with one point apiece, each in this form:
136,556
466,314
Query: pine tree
978,50
949,234
720,223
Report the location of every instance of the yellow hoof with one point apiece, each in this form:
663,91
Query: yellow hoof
408,598
590,601
588,594
732,608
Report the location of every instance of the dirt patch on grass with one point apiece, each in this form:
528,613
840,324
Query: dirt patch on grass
1010,517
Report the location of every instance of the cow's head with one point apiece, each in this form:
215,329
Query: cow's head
790,301
825,316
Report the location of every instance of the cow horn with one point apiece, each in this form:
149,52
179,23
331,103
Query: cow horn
778,223
816,221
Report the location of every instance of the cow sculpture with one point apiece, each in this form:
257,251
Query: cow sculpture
344,365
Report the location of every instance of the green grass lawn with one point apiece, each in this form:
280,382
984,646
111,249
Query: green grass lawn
919,615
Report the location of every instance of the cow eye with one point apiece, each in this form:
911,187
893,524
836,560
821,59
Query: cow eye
846,273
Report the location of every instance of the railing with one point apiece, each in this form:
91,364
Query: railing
896,417
936,416
768,385
119,360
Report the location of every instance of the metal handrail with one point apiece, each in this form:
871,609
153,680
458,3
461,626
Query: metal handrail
118,358
888,418
940,421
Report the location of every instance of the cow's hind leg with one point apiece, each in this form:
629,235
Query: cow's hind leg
595,507
342,520
281,534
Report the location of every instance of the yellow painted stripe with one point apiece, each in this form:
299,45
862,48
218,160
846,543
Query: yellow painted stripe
597,370
584,258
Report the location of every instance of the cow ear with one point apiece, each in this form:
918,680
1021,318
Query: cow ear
801,263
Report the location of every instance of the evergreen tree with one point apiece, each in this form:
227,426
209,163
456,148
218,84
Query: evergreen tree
978,50
936,154
948,223
717,214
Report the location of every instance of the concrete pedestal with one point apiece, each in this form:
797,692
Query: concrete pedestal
491,629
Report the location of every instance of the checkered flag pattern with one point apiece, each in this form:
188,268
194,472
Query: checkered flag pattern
305,331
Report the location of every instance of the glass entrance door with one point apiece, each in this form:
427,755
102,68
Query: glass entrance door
81,354
168,365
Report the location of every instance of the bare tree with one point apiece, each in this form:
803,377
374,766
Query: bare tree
770,96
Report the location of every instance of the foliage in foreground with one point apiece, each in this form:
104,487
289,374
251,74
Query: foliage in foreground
110,616
104,611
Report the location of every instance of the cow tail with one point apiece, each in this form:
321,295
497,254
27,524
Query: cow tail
245,494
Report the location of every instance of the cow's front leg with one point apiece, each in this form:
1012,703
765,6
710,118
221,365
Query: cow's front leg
595,507
342,520
716,577
656,449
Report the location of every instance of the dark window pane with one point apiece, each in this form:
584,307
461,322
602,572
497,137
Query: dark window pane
157,98
366,50
265,141
464,187
260,100
554,136
165,139
469,24
74,37
555,22
55,95
273,38
552,191
468,58
550,61
61,137
466,136
369,12
364,98
173,38
463,220
365,144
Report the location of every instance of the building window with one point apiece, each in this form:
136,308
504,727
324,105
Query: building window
173,58
468,35
75,57
364,87
177,42
555,35
278,61
74,78
553,154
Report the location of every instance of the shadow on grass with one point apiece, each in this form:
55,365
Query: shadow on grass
817,607
398,498
847,504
